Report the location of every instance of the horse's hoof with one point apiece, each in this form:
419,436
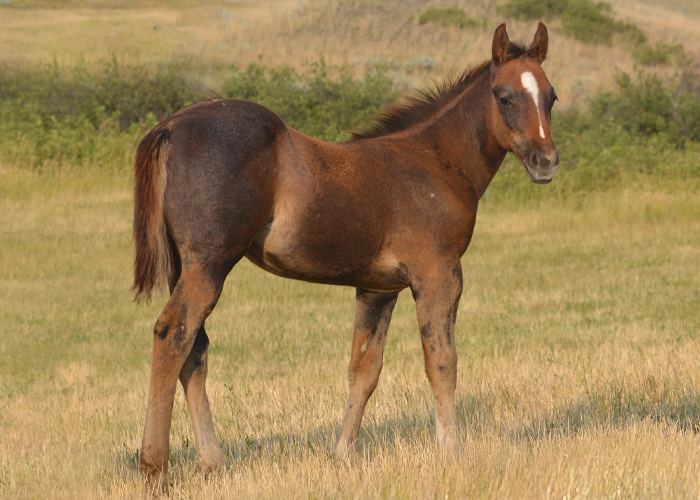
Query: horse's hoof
157,479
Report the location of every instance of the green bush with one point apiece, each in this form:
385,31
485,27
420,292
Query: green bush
661,53
647,106
645,129
450,16
314,102
644,107
584,20
592,22
57,116
534,10
599,158
589,22
132,92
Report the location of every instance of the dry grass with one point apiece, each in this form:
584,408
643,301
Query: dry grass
676,21
361,34
578,360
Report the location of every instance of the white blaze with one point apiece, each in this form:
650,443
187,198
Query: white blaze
530,84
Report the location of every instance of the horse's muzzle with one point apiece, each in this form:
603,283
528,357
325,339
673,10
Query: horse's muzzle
541,165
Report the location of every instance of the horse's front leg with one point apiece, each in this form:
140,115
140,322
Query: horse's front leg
372,316
437,293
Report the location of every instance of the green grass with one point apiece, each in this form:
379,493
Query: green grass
577,335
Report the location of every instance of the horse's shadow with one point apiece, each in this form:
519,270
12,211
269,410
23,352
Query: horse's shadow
582,415
379,435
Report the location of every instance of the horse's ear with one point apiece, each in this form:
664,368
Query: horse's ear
540,44
500,44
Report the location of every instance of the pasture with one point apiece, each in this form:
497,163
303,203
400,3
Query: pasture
577,331
577,336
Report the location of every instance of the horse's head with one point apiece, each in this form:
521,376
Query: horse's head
522,103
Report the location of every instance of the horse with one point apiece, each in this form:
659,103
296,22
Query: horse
392,208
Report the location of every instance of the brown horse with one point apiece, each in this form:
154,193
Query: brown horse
393,208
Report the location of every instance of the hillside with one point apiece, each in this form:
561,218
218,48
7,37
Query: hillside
358,33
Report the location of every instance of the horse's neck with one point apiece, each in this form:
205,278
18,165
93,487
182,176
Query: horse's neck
464,138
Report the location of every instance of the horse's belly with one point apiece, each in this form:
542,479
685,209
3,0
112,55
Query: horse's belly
336,257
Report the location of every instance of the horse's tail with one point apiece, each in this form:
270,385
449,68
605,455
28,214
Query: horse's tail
153,264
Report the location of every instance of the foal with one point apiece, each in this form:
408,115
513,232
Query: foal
393,208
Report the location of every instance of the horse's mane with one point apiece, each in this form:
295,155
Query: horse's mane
420,105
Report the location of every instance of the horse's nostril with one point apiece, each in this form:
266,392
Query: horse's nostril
540,159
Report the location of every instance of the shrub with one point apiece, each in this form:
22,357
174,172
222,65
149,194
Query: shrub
661,53
646,128
534,10
314,102
583,20
589,22
648,106
56,116
132,92
451,16
592,22
644,106
66,116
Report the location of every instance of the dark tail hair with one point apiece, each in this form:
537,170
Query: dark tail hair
153,264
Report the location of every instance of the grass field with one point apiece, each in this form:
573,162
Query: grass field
577,330
577,335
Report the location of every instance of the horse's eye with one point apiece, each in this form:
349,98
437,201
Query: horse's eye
504,101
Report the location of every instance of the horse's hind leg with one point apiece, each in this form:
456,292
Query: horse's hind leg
372,316
175,333
193,376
